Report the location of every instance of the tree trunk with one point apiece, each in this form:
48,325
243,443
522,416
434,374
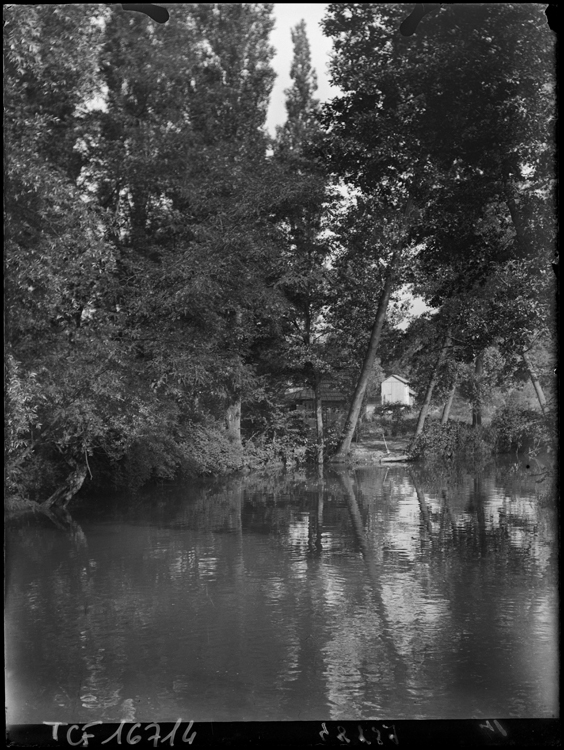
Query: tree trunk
422,505
233,411
61,497
448,404
233,422
315,520
523,243
477,501
535,381
514,203
431,387
318,419
477,402
356,405
62,519
373,569
319,512
344,448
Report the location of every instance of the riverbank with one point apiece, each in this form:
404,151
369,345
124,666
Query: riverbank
376,450
14,506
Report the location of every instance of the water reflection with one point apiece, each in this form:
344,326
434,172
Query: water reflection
376,593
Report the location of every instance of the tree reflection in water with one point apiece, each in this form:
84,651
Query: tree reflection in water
404,593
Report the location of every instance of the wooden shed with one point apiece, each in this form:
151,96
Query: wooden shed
333,402
396,390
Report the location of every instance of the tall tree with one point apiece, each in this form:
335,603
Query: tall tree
302,107
67,378
143,248
306,278
405,123
397,252
182,162
386,169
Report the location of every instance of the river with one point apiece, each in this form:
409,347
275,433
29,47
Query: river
400,592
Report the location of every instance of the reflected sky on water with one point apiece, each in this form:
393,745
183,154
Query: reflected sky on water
395,592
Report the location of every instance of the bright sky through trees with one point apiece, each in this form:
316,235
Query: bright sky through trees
287,15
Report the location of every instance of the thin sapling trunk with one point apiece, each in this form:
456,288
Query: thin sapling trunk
431,386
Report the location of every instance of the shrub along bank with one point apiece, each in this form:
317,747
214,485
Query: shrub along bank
513,428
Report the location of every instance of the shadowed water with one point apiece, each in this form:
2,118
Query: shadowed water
379,593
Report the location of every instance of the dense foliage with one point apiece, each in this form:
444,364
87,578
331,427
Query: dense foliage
171,269
459,121
451,441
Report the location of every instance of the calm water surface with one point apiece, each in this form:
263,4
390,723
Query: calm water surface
381,593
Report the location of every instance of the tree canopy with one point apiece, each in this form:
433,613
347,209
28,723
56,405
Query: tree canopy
172,269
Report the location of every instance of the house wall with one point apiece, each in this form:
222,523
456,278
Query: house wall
395,392
369,410
332,411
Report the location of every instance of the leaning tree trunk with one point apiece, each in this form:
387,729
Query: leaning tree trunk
477,401
448,404
344,448
356,405
61,497
431,387
63,520
373,569
535,381
318,420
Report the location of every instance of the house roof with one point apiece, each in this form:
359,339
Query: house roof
326,391
397,377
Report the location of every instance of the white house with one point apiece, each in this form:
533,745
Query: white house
396,390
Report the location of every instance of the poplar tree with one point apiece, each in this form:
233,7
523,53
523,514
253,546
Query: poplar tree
306,278
181,163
